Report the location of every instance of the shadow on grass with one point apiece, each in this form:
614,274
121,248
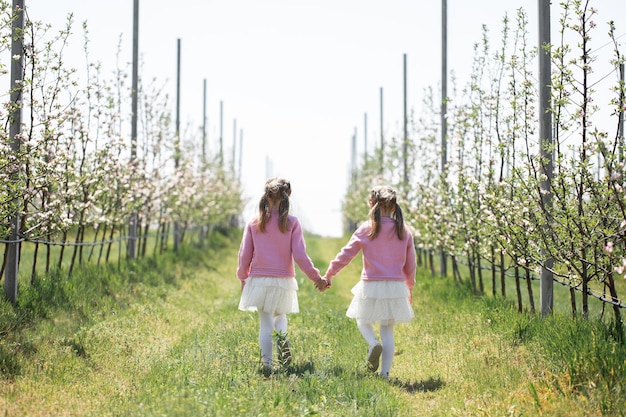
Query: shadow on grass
301,369
307,368
297,369
429,385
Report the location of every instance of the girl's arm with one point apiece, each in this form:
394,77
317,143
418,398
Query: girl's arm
344,257
302,259
246,251
410,264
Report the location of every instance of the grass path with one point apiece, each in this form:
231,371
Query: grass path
178,346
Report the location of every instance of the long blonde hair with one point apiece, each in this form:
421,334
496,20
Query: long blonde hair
277,190
384,197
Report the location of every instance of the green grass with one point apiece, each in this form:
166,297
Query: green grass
44,257
163,336
561,295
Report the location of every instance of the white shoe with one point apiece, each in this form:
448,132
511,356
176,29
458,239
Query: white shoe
373,357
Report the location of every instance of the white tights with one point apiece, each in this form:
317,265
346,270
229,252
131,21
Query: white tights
268,323
386,336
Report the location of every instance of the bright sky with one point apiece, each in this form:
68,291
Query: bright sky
298,76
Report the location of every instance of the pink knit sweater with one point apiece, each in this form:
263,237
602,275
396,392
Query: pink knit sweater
385,258
272,254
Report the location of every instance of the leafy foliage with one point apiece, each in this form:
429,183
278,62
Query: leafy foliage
489,203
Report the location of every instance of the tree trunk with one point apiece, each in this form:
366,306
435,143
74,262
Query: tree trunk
455,269
76,249
493,271
502,275
518,290
62,252
33,271
480,273
110,244
472,271
104,235
144,242
48,257
614,298
529,285
93,246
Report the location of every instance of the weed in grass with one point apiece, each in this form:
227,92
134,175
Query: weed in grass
283,347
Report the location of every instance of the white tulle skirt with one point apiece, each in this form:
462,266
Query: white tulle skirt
386,302
269,294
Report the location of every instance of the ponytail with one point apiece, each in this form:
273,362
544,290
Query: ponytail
283,211
275,189
264,212
399,221
375,220
385,197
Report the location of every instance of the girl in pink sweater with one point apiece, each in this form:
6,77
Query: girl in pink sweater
271,243
383,294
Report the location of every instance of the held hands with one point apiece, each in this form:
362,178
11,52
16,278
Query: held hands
322,284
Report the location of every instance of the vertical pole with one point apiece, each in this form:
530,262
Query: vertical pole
353,162
177,145
444,85
17,74
234,145
406,136
177,156
132,238
444,110
365,137
221,134
204,121
382,135
269,167
240,153
545,136
203,160
350,224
